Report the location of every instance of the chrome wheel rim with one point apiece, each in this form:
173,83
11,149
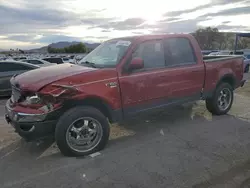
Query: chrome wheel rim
224,99
84,134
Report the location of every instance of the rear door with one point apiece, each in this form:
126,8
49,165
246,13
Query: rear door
184,73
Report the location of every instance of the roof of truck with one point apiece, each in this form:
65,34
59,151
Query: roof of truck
131,38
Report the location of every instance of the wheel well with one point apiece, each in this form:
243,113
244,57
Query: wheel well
91,101
228,79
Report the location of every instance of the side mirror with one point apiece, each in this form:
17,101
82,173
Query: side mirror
136,63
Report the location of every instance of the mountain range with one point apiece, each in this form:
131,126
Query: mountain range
62,44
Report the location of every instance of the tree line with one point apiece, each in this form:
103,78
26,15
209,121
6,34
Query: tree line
75,48
211,39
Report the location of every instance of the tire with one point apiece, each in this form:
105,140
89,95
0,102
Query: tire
66,121
213,104
209,105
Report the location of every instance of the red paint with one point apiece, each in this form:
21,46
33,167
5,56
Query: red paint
137,88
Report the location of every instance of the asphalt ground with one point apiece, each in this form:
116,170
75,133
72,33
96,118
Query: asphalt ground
180,147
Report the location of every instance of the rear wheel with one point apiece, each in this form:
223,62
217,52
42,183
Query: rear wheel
222,100
82,131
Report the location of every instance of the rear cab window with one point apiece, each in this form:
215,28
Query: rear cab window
179,52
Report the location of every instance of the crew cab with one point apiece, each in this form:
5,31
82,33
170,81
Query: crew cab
120,78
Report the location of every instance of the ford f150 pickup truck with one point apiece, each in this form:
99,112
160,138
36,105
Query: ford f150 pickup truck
120,78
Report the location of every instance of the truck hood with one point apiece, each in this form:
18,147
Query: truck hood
38,78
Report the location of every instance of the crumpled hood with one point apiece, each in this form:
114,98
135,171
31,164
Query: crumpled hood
38,78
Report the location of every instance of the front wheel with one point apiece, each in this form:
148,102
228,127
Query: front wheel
82,131
221,101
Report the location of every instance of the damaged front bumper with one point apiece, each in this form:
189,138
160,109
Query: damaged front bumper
32,126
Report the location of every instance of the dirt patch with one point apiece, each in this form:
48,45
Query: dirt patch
245,90
7,136
118,131
199,109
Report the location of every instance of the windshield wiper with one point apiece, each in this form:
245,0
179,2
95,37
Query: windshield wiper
89,63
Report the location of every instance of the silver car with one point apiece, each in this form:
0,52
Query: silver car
7,70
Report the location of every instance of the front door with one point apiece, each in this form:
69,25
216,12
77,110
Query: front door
142,88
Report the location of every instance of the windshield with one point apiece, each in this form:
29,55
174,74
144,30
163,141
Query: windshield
108,54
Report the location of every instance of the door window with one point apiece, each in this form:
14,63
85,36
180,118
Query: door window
152,54
178,52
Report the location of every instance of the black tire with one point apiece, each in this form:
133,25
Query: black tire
72,115
212,103
209,105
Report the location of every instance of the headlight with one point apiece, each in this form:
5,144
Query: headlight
34,99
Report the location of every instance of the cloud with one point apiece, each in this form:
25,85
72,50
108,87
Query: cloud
56,38
175,21
223,2
229,12
36,22
127,24
185,26
205,6
20,20
42,19
179,12
95,21
22,38
232,27
42,15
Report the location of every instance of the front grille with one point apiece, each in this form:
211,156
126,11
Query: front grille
16,94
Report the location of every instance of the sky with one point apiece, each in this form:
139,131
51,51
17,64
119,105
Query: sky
28,24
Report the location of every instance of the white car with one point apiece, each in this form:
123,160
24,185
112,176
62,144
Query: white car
213,53
68,60
39,62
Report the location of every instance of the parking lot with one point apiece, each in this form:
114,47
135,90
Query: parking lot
181,147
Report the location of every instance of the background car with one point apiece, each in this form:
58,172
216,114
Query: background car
9,69
38,62
246,65
65,60
56,60
213,53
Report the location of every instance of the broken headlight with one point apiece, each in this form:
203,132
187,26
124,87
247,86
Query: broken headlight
33,99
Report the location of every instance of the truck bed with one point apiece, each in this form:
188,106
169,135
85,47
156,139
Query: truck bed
216,66
221,58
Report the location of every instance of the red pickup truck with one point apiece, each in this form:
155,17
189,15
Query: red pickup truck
121,77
